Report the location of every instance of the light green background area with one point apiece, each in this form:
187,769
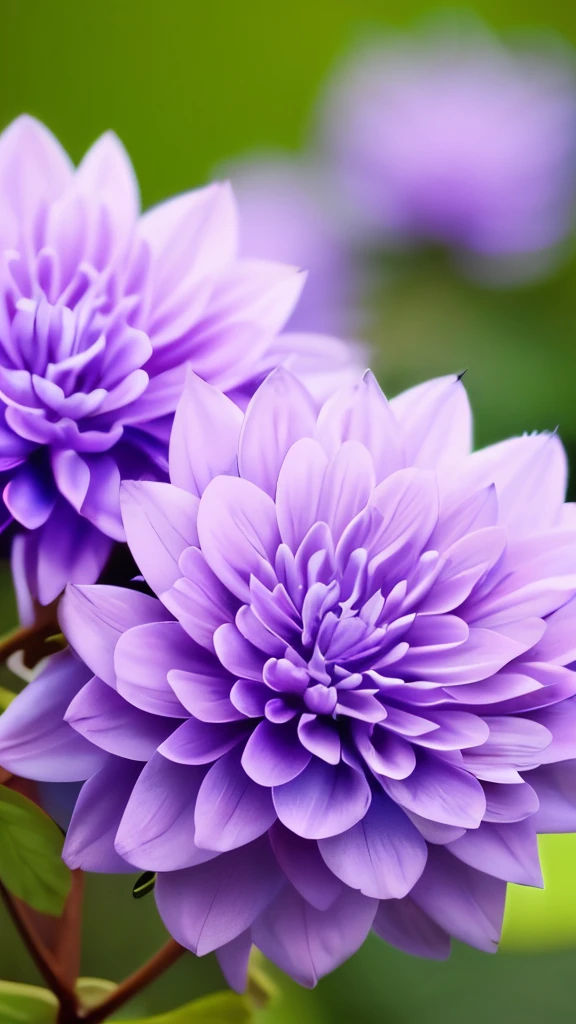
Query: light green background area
188,85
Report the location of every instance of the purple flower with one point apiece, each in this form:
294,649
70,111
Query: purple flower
100,309
288,214
350,705
451,137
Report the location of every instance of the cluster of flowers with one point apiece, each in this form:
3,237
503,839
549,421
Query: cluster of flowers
444,136
340,695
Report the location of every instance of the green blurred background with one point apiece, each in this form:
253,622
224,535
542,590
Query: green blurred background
188,85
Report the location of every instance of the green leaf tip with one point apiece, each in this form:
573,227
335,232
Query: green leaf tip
144,884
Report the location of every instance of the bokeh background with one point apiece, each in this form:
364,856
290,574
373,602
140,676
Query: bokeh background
190,86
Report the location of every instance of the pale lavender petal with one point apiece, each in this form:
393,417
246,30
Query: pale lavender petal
233,959
508,851
143,657
160,523
238,533
301,473
93,618
303,865
403,924
35,740
363,414
555,786
156,832
383,855
307,943
106,174
466,903
280,413
102,716
435,423
204,438
207,906
90,839
441,791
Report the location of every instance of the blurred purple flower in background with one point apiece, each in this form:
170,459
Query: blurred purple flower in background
450,137
351,704
100,310
287,213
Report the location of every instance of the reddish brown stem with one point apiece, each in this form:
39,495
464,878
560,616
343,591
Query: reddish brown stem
134,983
16,641
68,943
37,640
42,958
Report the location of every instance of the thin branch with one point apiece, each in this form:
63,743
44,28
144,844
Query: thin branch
69,936
16,641
134,983
37,640
40,955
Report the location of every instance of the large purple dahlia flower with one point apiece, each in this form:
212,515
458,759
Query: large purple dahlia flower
100,308
451,137
350,704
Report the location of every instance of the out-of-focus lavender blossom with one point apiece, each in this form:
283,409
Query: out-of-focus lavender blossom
100,311
351,704
451,137
288,213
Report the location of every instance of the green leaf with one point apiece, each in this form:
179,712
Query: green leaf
261,989
544,919
26,1004
220,1008
91,991
6,698
31,866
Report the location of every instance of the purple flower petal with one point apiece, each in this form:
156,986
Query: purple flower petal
143,657
363,414
508,851
441,791
205,693
35,740
280,413
323,800
238,533
160,523
435,423
307,943
207,906
274,755
231,810
403,924
102,716
555,787
233,960
90,839
196,742
93,618
303,865
466,903
214,422
301,473
383,855
199,600
156,832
